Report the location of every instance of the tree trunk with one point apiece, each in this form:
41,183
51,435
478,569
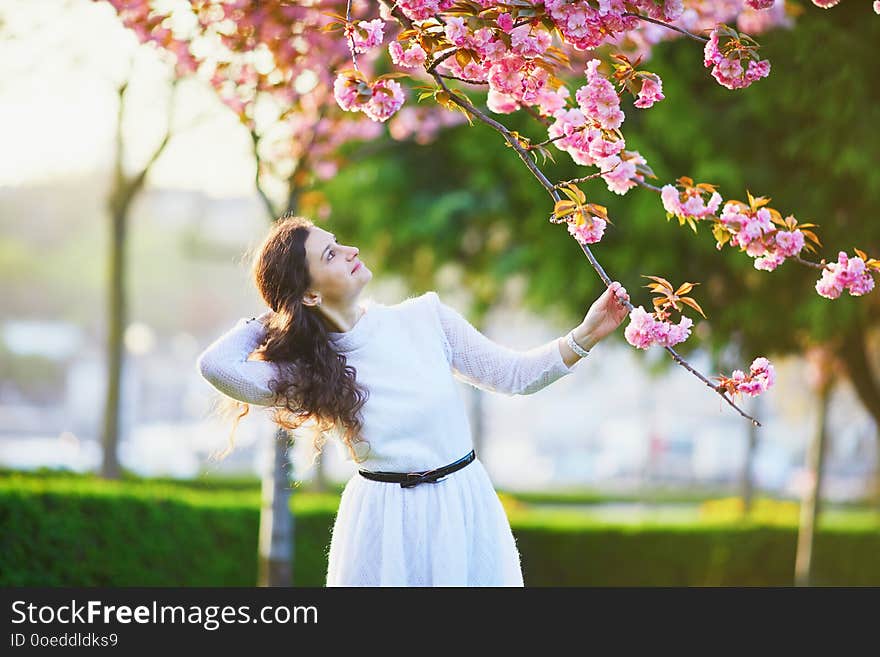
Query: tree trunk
478,399
812,496
277,524
319,484
477,409
276,521
854,353
747,479
116,318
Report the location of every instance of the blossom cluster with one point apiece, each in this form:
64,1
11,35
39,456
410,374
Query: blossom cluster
761,376
587,229
587,132
365,35
645,329
754,232
379,100
726,58
412,57
690,203
419,10
650,93
847,273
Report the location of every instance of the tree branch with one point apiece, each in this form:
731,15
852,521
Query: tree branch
464,103
258,183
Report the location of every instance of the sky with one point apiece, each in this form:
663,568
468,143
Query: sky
61,62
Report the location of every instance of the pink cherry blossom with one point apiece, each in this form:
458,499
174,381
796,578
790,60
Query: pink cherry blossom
651,92
760,378
789,244
387,98
501,103
587,232
623,175
729,71
373,37
846,274
419,10
346,93
412,57
689,203
645,330
505,22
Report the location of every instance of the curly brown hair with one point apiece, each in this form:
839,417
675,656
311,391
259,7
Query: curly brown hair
315,382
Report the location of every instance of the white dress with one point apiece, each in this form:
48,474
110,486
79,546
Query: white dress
450,533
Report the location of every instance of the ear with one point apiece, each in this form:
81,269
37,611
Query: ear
311,299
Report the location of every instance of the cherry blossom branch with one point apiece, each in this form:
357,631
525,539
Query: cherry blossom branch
671,27
803,261
464,103
808,263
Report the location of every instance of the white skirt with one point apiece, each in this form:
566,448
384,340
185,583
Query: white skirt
450,533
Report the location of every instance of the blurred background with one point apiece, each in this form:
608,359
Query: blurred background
128,206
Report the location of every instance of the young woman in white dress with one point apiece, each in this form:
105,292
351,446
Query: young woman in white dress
421,509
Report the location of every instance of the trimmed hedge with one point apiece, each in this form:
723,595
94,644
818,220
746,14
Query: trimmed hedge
83,531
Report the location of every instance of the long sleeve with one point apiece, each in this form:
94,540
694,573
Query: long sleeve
487,365
225,365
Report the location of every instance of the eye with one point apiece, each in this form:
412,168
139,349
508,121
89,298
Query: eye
330,256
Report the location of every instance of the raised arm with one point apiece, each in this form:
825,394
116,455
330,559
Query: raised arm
490,366
225,365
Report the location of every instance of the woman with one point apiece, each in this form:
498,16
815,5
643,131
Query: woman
421,511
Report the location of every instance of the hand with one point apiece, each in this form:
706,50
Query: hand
605,315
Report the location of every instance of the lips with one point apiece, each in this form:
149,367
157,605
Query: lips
356,267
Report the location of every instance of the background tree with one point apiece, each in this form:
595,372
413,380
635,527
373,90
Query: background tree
124,190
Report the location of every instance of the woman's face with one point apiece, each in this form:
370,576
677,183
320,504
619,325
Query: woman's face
338,275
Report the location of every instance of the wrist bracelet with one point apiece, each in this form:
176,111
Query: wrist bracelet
575,347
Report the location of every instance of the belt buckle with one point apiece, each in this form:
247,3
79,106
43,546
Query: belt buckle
416,478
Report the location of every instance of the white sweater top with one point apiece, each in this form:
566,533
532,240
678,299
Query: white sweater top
408,356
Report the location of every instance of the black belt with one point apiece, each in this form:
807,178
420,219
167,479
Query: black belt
409,479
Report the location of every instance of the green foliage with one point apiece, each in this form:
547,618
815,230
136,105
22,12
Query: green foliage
83,531
690,556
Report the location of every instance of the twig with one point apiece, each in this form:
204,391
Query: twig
808,263
535,115
348,26
552,139
441,58
671,27
575,181
455,77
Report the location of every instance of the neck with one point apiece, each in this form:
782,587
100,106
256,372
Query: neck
342,320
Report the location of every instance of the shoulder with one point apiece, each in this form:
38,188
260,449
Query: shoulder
423,308
418,303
